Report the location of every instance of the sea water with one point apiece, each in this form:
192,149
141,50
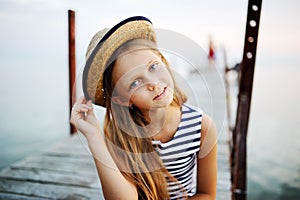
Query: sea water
34,109
273,136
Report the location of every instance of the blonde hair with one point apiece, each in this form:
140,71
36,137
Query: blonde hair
134,153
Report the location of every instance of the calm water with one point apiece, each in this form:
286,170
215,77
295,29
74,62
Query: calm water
34,114
34,109
274,145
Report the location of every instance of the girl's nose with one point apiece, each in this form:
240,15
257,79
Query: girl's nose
151,85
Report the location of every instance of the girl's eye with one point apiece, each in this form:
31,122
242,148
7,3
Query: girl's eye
153,67
134,84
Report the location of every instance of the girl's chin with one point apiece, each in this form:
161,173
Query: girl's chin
162,104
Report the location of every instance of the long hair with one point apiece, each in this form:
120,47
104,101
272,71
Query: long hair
126,137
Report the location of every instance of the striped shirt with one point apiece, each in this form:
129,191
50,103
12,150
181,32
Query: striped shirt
179,155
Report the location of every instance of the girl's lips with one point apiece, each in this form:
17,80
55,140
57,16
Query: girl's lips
160,94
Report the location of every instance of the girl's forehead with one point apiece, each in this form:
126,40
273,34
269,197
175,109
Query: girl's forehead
131,60
136,58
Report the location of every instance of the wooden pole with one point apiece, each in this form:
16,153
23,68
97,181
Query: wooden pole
245,92
72,63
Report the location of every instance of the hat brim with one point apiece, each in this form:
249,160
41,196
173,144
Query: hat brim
132,28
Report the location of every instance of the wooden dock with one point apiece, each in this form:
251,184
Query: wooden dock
66,170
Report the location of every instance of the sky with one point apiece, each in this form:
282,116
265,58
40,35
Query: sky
38,28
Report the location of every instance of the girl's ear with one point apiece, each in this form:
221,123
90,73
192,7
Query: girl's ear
160,55
162,58
120,100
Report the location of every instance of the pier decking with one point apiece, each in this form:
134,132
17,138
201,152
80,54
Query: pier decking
66,170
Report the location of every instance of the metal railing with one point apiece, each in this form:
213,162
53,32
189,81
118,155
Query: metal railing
245,70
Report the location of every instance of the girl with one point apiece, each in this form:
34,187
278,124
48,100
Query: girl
151,149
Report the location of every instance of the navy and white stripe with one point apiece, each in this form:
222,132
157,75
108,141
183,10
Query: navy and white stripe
179,155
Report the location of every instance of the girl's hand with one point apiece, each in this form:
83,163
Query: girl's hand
83,117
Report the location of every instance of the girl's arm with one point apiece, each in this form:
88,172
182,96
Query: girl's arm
114,184
207,162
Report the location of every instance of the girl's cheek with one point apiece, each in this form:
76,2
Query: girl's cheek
141,95
134,96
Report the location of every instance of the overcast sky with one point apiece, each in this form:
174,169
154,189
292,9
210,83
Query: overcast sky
32,29
36,28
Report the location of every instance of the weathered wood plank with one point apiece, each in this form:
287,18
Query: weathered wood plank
11,196
67,171
56,171
64,171
59,164
52,191
52,177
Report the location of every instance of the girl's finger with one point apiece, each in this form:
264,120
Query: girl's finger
81,109
81,100
89,103
85,106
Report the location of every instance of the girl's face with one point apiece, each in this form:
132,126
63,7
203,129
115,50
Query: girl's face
142,79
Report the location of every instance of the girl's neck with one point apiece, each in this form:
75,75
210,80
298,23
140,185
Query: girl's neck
163,122
156,119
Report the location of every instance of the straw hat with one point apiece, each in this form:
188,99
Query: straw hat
101,48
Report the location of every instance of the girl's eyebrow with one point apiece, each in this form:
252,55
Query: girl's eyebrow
151,61
135,76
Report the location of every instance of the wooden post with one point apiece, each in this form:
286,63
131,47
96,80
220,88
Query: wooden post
72,63
245,92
